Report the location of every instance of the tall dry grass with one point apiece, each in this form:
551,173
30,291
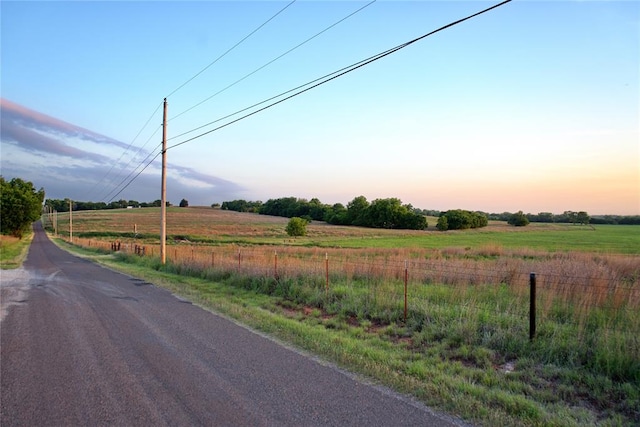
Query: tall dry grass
587,305
584,280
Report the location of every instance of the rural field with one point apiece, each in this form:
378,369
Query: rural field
536,325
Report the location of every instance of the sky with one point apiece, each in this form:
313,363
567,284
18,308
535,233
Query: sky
531,106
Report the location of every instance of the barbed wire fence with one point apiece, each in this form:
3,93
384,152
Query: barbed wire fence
558,291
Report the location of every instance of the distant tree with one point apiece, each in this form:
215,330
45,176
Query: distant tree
184,203
479,219
356,211
442,224
240,206
20,206
391,213
629,220
382,213
336,214
545,217
297,226
317,210
582,218
287,207
518,219
459,219
215,205
567,216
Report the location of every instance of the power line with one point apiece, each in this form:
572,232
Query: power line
173,92
131,173
125,151
322,81
137,175
131,160
271,98
274,60
349,69
230,49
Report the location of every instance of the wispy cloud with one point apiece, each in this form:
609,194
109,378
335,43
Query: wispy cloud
28,139
70,161
23,117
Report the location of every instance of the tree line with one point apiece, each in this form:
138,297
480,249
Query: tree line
62,205
379,213
21,205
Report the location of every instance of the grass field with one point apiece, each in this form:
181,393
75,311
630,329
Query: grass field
216,227
461,344
13,250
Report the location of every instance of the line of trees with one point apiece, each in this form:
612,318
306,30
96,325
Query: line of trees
380,213
385,213
62,205
567,217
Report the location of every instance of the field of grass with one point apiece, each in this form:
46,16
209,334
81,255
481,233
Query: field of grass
461,345
13,251
215,226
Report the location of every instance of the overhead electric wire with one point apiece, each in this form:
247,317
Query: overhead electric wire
230,49
129,162
274,60
132,172
135,155
137,175
273,97
176,90
125,151
348,69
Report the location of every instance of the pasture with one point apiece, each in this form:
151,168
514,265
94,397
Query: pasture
443,316
214,226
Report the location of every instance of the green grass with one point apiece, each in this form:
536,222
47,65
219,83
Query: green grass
463,350
624,239
13,251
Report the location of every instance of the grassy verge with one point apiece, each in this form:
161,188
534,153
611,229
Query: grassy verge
13,251
474,361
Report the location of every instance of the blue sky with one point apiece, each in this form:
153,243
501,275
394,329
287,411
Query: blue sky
533,106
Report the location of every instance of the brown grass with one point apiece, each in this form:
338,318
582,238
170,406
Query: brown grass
587,280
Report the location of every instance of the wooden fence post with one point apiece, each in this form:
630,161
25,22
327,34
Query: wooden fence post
532,306
326,269
275,265
406,279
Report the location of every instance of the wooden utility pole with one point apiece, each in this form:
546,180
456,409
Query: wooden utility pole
163,198
70,221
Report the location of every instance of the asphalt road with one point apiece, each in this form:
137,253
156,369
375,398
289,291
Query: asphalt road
83,345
